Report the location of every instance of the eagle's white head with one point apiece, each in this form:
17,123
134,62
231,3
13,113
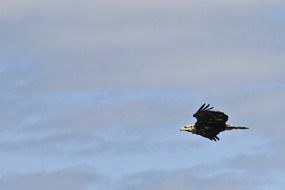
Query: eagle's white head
189,128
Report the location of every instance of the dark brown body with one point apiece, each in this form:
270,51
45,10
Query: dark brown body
209,123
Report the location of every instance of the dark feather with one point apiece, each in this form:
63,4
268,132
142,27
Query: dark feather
206,107
204,115
201,108
210,123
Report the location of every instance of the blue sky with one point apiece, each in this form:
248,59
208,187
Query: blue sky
94,93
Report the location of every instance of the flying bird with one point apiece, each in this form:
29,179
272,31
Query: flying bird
209,123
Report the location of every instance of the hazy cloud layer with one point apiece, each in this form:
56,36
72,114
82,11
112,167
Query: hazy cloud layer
242,172
72,179
108,84
148,45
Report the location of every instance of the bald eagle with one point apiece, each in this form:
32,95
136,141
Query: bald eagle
209,123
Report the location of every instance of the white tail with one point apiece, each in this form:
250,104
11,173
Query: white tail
230,127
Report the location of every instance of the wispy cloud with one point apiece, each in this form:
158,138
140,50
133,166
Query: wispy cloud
108,84
235,173
182,179
70,178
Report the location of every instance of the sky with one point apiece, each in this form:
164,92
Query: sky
93,94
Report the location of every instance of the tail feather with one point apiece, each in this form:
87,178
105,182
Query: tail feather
230,127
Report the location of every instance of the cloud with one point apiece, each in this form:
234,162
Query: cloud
115,80
236,173
197,54
89,24
182,179
189,45
70,178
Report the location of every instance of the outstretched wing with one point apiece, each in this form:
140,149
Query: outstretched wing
209,122
205,115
